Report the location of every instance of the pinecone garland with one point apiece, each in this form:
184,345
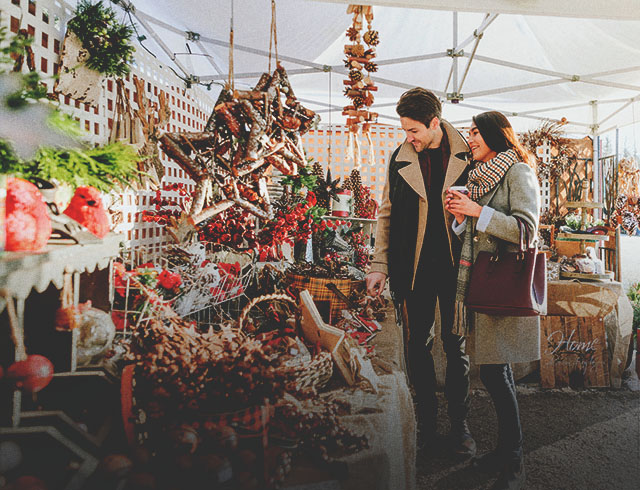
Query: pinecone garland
371,67
353,34
356,75
358,101
372,38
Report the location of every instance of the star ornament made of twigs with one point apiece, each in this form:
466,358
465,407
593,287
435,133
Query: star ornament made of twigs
248,132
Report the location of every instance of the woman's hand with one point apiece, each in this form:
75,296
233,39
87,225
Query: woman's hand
460,205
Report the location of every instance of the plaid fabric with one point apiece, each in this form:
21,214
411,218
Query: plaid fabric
319,291
486,175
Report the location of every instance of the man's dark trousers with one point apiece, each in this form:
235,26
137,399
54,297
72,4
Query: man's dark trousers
436,280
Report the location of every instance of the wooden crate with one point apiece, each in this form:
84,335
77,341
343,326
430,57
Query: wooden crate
573,352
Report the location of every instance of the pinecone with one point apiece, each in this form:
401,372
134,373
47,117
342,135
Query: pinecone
355,180
320,190
355,75
372,38
371,67
358,101
353,34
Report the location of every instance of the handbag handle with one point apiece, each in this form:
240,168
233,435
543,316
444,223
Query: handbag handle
523,240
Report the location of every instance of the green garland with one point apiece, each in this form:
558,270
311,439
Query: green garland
103,167
107,41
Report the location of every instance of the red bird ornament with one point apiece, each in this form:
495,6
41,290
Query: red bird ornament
87,209
27,225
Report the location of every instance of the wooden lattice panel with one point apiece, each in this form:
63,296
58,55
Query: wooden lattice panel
385,139
46,21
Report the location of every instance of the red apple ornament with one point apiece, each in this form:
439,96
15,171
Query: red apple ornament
31,374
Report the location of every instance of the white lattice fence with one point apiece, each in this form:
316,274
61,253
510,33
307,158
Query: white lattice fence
45,20
544,154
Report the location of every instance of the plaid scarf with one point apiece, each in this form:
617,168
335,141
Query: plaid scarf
482,179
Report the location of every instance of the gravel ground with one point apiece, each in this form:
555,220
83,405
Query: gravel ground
573,440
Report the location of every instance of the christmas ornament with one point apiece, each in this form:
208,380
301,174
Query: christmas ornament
27,483
87,209
32,374
27,224
115,466
96,333
359,87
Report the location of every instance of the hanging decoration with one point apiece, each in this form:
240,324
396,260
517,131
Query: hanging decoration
549,132
629,178
95,45
141,129
360,53
249,131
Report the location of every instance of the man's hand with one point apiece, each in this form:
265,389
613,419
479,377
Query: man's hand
375,283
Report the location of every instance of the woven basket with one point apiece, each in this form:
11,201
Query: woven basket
313,375
317,287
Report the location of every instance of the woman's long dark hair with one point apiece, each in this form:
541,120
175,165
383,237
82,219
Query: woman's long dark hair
498,134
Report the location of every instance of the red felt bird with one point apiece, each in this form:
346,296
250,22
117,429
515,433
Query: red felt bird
27,225
87,209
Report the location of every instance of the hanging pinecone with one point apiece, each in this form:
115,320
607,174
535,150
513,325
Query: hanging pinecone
355,75
372,38
371,67
358,101
356,190
353,34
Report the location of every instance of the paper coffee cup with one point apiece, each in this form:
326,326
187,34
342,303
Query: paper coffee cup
459,188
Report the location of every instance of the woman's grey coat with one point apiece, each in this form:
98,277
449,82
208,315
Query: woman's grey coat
500,339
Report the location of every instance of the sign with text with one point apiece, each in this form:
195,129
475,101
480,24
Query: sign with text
573,352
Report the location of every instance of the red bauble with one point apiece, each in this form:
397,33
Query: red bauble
27,483
28,226
32,374
1,372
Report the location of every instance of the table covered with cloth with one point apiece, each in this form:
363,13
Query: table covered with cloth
387,418
605,299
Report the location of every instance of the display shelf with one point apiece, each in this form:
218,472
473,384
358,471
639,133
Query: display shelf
583,236
21,272
607,276
584,204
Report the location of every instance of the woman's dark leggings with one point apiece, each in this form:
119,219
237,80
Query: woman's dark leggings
498,379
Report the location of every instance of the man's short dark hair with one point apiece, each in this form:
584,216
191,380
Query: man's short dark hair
419,104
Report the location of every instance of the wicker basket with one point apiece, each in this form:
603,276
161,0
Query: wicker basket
317,287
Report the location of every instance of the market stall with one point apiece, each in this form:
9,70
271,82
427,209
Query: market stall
182,299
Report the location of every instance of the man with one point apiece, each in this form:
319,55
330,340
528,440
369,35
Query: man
417,249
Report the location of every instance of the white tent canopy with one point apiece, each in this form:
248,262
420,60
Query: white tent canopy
485,55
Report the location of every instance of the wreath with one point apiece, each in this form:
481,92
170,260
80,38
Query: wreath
551,132
107,40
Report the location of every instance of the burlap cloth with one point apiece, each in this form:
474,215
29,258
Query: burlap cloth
387,418
598,299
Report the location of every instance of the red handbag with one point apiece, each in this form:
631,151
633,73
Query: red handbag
509,283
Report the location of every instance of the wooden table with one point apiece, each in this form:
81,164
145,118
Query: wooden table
388,420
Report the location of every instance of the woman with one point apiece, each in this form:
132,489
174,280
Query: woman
502,186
